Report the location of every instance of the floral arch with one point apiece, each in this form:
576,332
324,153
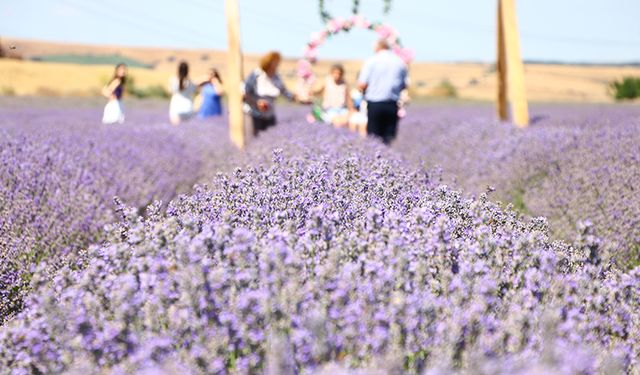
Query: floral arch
336,26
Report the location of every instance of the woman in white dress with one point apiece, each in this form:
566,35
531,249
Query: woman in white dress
113,111
182,90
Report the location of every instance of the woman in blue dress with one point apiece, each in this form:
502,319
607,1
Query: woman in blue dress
211,93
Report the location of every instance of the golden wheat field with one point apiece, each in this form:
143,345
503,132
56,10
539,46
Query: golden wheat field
474,81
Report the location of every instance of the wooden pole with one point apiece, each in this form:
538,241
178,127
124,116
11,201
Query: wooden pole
510,69
501,69
234,75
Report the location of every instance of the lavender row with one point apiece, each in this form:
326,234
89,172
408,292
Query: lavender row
574,162
334,255
61,170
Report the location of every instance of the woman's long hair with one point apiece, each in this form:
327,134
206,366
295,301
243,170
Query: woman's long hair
123,79
183,72
216,74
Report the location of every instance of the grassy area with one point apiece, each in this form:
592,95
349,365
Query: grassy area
80,71
89,59
31,78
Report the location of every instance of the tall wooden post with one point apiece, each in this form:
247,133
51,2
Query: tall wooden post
234,74
512,100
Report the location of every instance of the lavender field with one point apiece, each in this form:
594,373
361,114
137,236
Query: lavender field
574,163
61,172
315,251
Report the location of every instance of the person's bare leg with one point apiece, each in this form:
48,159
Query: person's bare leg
353,126
357,125
363,129
340,121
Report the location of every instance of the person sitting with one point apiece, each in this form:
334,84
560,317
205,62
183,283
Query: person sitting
336,99
211,93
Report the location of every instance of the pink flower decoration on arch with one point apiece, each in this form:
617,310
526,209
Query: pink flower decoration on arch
386,32
304,69
407,55
310,53
360,21
335,26
317,38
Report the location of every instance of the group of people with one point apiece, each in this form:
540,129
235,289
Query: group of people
183,90
373,108
373,104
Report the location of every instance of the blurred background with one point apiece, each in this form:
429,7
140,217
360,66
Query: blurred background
575,50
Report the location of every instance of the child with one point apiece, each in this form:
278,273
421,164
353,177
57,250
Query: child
113,111
336,103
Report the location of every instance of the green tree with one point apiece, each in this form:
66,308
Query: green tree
628,88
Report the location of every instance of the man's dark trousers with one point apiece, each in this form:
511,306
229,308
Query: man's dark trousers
383,120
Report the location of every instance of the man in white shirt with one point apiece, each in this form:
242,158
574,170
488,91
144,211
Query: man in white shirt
382,79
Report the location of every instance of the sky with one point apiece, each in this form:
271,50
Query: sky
593,31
